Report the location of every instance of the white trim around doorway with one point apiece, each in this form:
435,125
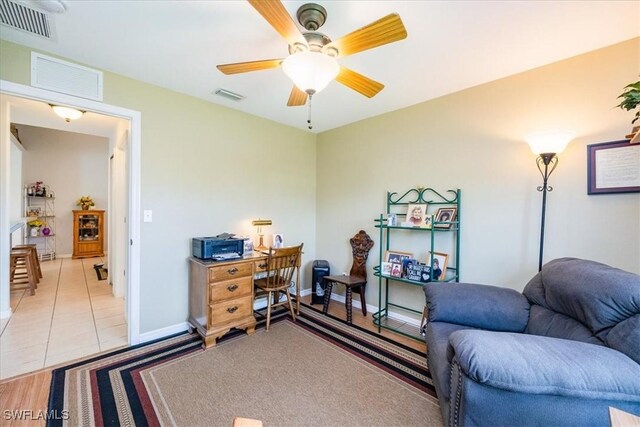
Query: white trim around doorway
134,117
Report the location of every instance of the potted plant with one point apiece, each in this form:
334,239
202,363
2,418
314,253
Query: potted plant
85,202
630,101
35,225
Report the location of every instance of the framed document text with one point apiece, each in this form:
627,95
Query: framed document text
613,167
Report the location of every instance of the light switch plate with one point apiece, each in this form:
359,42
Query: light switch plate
148,216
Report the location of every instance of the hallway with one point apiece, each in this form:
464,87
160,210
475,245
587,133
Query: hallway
72,315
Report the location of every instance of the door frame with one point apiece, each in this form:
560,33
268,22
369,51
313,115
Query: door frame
135,138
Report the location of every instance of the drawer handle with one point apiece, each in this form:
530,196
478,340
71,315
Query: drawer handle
263,265
232,309
232,270
232,288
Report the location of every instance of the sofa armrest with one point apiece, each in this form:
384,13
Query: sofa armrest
477,306
535,364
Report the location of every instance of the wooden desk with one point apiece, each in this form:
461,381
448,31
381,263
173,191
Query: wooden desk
221,295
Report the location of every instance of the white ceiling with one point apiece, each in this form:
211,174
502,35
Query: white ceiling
451,45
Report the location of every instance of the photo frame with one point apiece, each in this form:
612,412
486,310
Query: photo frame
248,246
278,241
444,217
397,257
396,269
34,211
385,268
416,215
440,261
418,272
613,167
392,220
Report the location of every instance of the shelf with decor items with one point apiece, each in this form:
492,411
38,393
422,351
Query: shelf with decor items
420,215
88,233
39,208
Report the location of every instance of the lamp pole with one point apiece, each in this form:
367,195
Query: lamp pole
546,163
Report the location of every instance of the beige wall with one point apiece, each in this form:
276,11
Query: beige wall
206,169
73,165
473,140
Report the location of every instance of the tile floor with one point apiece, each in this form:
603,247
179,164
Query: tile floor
72,315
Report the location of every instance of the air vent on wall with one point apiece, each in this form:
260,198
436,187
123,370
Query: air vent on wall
228,94
24,18
65,77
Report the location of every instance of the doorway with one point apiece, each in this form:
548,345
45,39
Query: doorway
130,272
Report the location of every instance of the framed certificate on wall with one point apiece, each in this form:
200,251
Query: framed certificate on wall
613,167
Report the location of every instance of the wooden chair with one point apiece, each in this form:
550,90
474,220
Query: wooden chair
356,281
281,264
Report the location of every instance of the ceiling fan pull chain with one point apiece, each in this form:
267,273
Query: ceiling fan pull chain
309,115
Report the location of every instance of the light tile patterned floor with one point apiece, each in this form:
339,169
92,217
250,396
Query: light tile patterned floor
72,315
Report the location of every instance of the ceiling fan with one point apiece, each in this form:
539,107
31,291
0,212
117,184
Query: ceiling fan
312,63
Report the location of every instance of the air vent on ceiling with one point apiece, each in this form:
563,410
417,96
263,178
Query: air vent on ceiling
24,18
229,95
65,77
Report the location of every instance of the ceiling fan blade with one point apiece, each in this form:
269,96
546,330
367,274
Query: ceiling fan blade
358,82
297,97
245,67
277,16
385,30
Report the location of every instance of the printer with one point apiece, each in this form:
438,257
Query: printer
218,248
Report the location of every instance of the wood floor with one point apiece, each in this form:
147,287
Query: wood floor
31,392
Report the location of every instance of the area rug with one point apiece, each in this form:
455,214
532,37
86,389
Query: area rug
317,371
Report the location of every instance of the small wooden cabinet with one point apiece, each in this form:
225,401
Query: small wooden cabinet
221,297
88,233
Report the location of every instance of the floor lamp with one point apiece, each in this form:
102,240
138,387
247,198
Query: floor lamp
547,146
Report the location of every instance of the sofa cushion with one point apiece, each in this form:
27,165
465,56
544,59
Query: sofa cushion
543,365
543,321
594,294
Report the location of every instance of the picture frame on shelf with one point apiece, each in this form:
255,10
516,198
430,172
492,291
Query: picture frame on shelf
396,269
444,217
385,268
418,272
392,220
416,215
407,264
440,261
397,257
610,167
34,211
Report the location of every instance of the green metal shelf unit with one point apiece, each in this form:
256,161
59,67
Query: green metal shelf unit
398,204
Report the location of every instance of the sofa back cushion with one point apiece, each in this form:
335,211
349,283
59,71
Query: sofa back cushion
586,301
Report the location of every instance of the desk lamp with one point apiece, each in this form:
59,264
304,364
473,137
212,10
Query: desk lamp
259,223
547,145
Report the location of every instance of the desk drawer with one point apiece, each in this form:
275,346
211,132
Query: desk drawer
234,288
229,271
261,266
228,311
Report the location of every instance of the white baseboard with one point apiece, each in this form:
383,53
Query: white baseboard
262,302
63,255
355,303
5,314
164,332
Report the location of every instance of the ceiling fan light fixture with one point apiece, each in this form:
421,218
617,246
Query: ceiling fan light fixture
311,71
67,113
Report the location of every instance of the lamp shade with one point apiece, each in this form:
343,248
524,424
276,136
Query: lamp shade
549,142
67,113
261,222
310,71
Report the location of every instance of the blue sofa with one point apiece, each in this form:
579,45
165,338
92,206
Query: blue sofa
561,353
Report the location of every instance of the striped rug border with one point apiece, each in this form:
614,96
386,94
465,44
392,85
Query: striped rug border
116,394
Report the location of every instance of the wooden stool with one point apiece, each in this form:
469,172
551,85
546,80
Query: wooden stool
34,254
352,283
22,274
